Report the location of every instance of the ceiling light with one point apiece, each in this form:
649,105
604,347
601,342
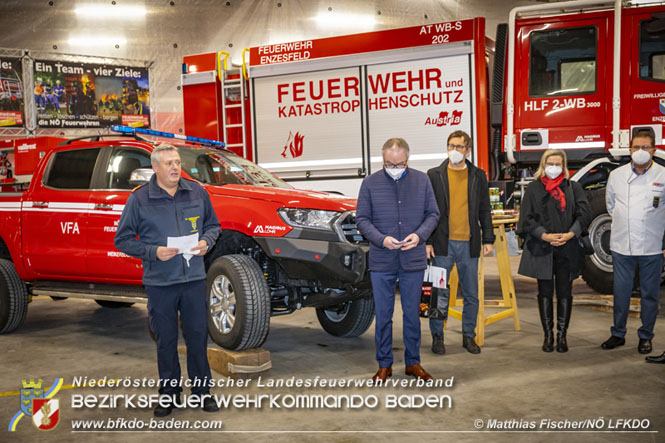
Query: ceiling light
106,11
90,40
341,20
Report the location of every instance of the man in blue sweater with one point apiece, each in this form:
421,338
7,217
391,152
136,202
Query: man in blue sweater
397,212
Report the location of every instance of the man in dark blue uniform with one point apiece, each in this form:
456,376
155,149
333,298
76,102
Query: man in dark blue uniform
171,206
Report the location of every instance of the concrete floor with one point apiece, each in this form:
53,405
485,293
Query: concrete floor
511,379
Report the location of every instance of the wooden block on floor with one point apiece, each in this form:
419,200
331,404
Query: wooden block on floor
605,303
247,364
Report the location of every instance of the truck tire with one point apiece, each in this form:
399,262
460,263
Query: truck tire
597,271
348,320
13,298
238,303
113,304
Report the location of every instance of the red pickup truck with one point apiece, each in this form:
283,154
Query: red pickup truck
281,248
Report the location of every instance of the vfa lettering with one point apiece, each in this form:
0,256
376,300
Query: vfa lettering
192,220
70,227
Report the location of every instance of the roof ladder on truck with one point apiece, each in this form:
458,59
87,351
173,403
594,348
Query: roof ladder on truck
234,93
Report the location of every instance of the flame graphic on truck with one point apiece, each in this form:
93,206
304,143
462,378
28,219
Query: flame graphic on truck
294,145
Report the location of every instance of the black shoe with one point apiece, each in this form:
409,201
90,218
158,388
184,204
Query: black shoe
210,405
613,342
470,344
645,346
437,344
564,307
561,342
659,359
548,342
163,411
546,311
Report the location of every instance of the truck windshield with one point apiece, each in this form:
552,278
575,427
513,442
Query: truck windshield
9,74
225,168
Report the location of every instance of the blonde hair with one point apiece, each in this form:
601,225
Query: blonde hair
552,153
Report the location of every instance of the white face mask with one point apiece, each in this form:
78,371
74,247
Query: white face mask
395,173
553,172
640,157
455,156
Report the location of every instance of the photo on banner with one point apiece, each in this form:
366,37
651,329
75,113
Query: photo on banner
86,95
12,92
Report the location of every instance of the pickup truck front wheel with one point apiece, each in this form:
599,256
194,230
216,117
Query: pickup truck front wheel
13,298
350,319
238,303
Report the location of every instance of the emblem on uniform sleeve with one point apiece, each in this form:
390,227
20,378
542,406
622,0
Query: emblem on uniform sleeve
193,220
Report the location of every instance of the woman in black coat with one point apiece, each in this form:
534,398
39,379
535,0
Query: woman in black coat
553,216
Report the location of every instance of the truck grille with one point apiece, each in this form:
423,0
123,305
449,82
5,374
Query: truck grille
348,229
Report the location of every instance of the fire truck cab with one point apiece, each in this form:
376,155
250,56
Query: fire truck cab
581,76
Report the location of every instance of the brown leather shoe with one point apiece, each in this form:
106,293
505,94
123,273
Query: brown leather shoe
382,374
418,372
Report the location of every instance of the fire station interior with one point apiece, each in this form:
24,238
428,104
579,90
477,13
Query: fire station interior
511,379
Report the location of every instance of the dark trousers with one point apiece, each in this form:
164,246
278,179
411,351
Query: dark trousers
624,276
560,280
467,270
164,303
410,288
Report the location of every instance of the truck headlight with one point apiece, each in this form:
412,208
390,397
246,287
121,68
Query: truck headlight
308,218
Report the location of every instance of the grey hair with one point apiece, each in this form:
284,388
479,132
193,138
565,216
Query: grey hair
399,143
155,155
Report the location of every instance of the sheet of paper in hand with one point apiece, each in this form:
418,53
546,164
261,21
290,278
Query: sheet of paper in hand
184,243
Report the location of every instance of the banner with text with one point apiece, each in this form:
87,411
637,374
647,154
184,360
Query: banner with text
86,95
12,92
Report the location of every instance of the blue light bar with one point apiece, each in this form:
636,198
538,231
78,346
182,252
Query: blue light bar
130,130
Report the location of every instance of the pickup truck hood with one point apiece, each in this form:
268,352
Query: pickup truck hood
290,198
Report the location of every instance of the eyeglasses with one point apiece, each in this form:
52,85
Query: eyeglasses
554,164
643,147
458,147
395,166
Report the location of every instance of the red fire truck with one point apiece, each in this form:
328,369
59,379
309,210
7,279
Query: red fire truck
581,76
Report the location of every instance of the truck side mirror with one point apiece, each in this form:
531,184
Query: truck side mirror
140,176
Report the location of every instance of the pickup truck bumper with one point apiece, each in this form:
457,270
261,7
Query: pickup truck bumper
334,264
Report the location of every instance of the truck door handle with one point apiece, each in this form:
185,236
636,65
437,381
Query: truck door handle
103,206
39,205
531,139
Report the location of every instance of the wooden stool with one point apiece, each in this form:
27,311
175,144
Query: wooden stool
508,302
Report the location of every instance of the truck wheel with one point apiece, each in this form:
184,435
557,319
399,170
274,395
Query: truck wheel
238,303
13,298
348,320
113,304
598,271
